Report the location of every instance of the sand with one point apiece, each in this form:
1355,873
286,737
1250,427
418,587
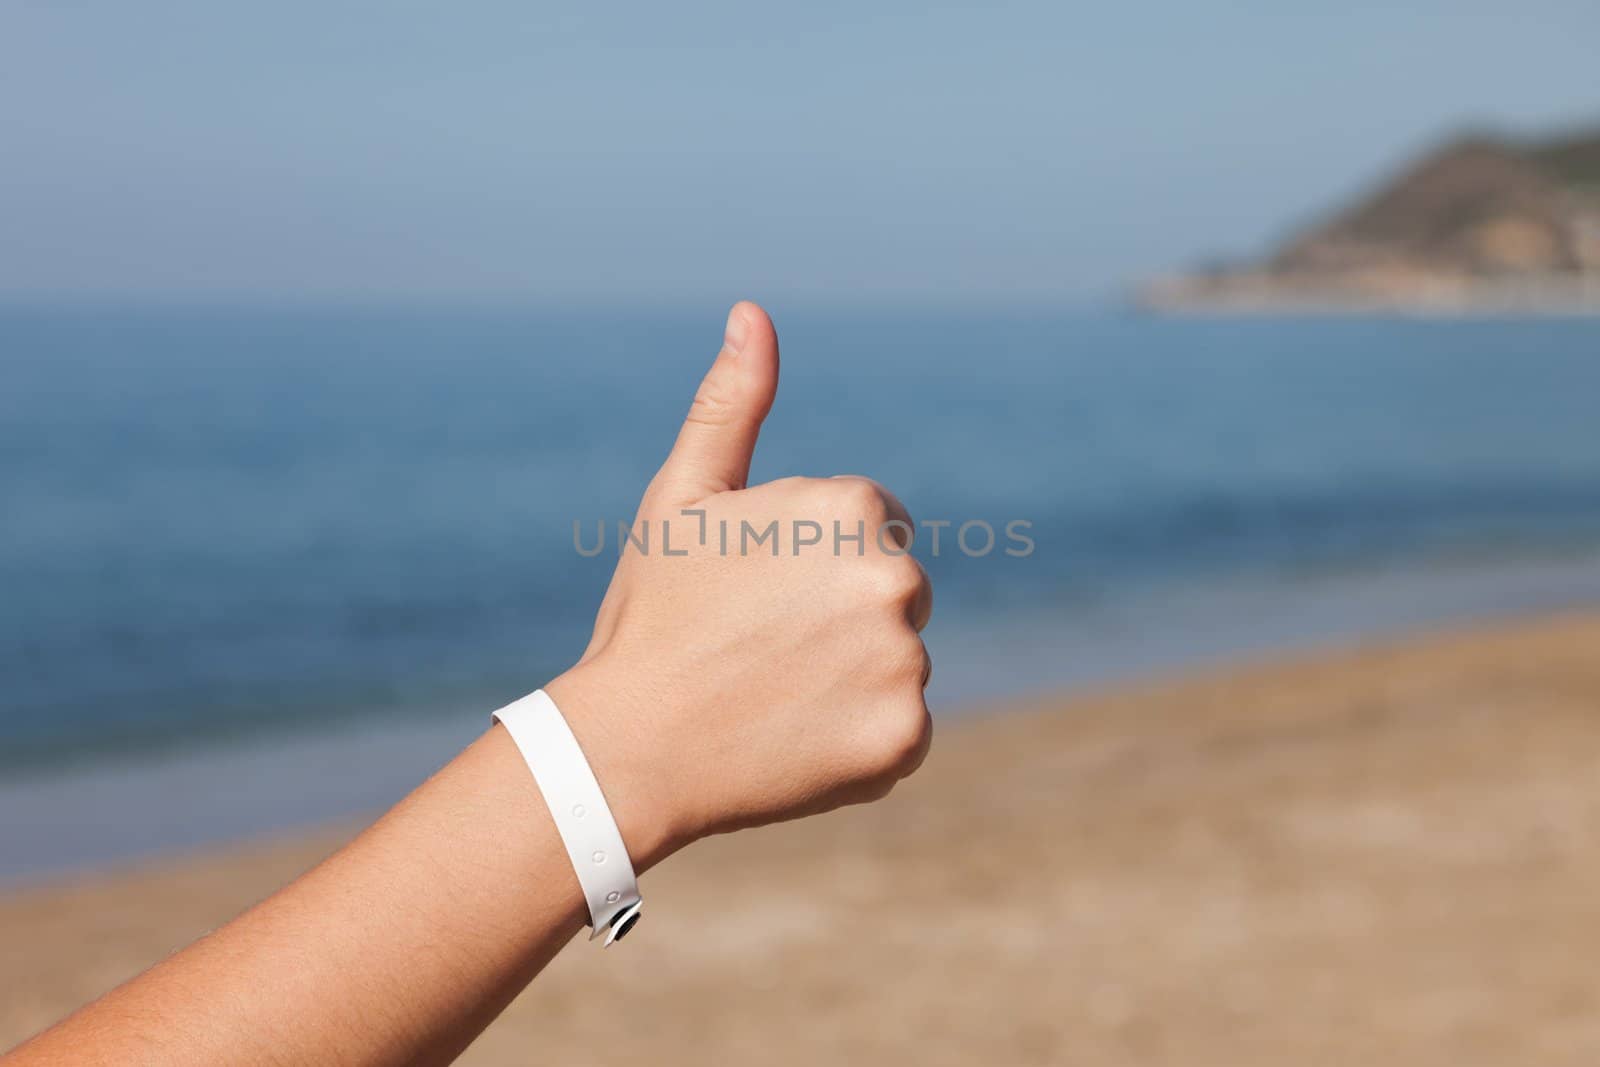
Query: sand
1388,854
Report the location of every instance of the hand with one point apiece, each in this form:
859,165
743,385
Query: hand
773,679
720,690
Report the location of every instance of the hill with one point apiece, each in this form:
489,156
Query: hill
1479,223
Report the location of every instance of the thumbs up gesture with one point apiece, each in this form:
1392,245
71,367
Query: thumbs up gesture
756,657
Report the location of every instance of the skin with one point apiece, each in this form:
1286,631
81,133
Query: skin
720,691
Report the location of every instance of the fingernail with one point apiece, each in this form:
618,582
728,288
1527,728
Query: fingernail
734,334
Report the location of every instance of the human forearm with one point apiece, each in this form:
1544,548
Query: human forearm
397,949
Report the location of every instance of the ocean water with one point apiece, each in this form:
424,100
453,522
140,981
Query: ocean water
224,525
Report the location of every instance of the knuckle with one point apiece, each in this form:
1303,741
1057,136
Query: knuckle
858,497
921,745
897,531
907,659
902,739
898,580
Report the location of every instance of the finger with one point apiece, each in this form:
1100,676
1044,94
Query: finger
713,450
902,531
922,605
924,744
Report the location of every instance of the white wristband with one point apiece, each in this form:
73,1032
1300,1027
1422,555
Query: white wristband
579,808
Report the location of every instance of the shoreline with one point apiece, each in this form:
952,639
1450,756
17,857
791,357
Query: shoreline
1339,853
74,820
1296,309
1264,294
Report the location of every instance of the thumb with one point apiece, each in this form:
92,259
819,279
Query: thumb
713,450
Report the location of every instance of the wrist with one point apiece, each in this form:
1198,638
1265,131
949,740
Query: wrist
612,727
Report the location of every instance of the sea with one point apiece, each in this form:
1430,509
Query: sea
267,566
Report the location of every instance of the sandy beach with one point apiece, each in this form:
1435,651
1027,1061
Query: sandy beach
1381,854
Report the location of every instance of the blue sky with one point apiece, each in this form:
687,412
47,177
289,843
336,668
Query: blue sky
652,152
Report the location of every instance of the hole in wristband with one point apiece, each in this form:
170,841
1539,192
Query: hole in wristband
579,811
599,857
613,896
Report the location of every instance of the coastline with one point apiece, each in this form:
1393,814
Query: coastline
64,821
1380,854
1265,294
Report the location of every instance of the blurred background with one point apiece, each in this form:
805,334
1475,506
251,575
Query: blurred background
320,326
